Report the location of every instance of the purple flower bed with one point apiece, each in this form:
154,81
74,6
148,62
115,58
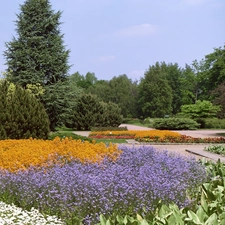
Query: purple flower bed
140,178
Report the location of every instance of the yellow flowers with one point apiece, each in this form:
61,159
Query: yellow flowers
156,133
21,154
138,133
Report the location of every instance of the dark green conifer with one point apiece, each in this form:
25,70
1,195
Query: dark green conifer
88,112
23,116
37,54
112,115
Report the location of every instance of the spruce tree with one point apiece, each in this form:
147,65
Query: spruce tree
111,115
37,54
88,113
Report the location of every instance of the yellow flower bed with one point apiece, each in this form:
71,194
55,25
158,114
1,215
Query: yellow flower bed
138,133
156,133
21,154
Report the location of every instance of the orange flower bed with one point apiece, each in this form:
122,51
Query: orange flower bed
135,134
21,154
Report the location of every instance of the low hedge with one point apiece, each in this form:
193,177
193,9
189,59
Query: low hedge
109,128
175,124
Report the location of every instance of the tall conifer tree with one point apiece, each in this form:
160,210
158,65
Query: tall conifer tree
37,54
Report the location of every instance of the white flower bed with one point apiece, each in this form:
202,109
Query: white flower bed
12,215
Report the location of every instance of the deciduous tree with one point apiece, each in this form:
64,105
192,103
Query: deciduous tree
155,94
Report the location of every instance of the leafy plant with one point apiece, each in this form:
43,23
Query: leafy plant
175,124
200,111
218,149
215,123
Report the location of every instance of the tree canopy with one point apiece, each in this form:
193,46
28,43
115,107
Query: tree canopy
155,94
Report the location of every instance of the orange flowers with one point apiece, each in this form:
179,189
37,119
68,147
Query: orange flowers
21,154
136,134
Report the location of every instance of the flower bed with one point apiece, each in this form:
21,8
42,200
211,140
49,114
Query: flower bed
182,139
137,179
21,154
157,136
10,214
134,134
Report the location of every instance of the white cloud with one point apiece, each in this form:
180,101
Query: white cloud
136,74
137,31
105,58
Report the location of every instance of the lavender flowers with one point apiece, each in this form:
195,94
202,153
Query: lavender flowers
139,179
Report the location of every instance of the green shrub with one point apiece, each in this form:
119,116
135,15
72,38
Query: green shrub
131,120
215,123
91,112
175,124
149,121
108,128
218,149
21,115
111,115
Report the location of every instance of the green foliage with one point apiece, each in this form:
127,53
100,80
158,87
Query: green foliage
82,81
38,54
60,101
91,112
155,93
218,149
3,135
111,115
215,123
108,128
189,86
23,116
124,93
173,75
149,122
219,99
199,111
175,124
37,59
120,90
215,67
122,220
88,113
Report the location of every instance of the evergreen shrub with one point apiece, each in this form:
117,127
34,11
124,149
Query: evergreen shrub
91,112
175,124
21,115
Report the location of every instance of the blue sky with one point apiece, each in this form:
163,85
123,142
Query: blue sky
114,37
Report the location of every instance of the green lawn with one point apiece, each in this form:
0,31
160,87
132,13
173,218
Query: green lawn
67,132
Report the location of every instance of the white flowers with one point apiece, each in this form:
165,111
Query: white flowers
12,215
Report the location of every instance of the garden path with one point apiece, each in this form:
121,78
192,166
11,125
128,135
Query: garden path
193,150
